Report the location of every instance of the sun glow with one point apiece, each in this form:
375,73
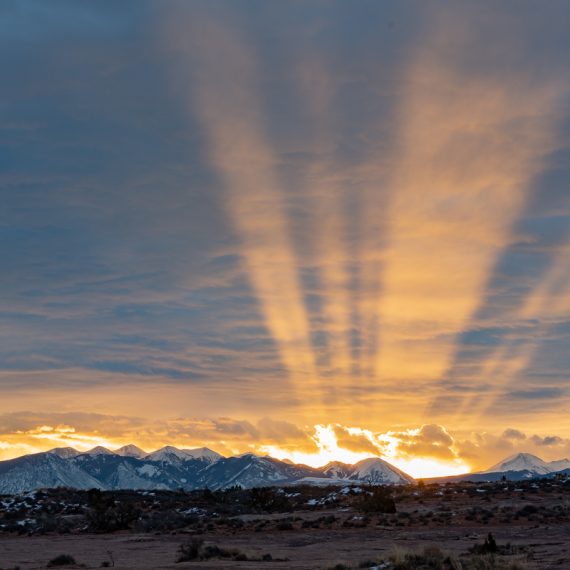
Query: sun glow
427,451
46,437
329,450
420,467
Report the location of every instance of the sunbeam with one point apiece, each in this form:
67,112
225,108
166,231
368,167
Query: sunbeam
326,187
225,97
471,144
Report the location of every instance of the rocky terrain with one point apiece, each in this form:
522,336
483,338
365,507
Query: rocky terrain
304,526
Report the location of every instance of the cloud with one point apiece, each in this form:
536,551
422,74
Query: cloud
482,449
26,432
430,448
277,431
547,393
548,440
223,89
429,440
358,442
514,434
458,185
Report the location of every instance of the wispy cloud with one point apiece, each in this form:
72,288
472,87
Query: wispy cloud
224,90
472,142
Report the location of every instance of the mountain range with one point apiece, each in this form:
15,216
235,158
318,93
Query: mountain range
529,462
171,468
518,467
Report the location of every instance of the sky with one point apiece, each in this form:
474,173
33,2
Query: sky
317,230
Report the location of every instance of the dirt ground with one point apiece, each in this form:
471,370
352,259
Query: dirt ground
300,549
313,529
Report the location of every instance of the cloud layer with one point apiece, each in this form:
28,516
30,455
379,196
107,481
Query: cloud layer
325,215
427,450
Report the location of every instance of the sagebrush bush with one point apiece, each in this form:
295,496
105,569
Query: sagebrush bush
190,550
195,549
378,500
62,560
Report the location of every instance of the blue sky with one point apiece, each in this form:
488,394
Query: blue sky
318,212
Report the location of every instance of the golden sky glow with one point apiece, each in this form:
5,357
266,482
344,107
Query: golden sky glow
330,450
317,234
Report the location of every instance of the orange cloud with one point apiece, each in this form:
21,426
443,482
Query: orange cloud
427,450
471,145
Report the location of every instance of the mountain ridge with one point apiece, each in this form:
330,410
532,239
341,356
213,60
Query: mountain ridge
517,467
170,468
173,468
520,462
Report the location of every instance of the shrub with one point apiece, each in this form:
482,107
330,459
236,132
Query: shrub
190,550
163,521
488,547
527,510
61,560
106,515
268,499
379,500
195,549
430,558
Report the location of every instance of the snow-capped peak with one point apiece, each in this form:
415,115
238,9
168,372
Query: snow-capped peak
338,470
559,464
64,452
172,468
203,453
99,450
168,454
250,454
376,470
521,462
131,451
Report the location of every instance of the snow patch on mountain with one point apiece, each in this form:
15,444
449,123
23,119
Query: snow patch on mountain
172,468
559,465
43,471
64,452
131,451
168,454
338,470
521,462
99,450
149,470
203,453
375,470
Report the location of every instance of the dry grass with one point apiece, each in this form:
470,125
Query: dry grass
434,558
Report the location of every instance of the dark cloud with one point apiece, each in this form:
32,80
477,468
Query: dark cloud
514,434
538,393
12,423
278,431
547,440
